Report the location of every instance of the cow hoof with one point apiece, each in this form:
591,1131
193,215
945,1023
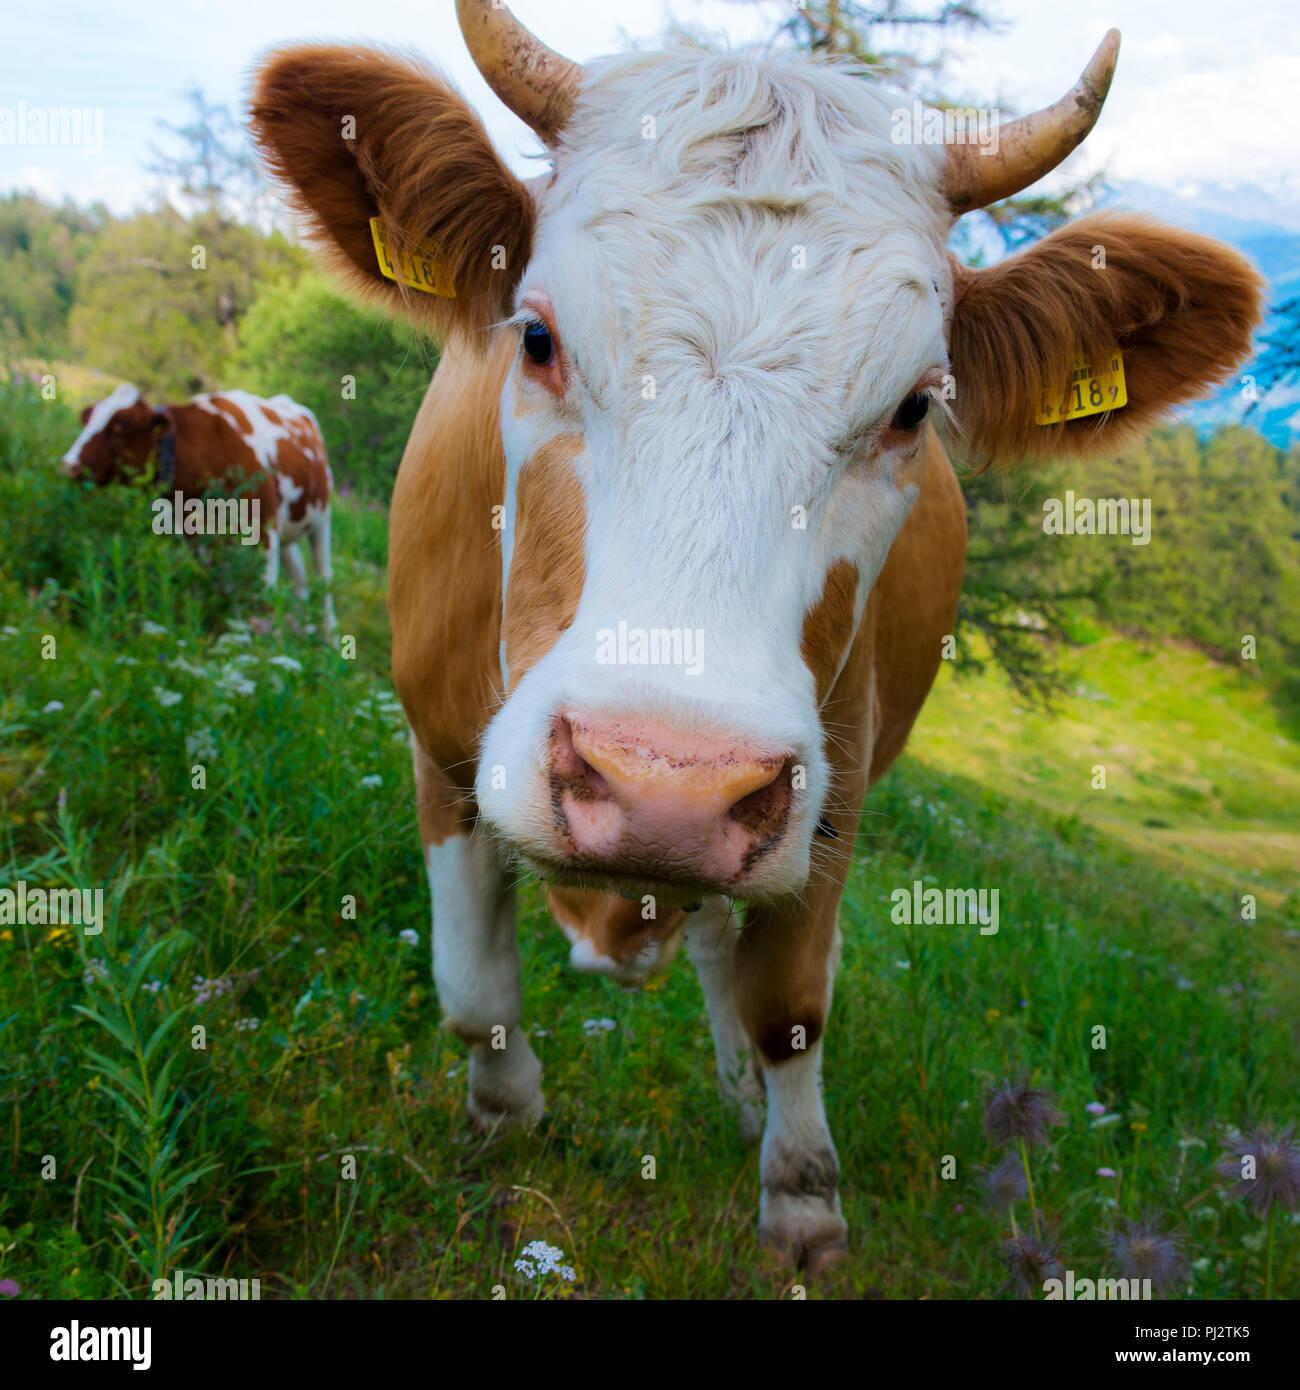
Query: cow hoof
505,1087
821,1259
806,1231
489,1120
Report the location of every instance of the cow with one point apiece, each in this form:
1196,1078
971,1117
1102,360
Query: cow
676,542
268,452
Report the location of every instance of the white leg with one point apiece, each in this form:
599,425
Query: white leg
800,1205
711,937
272,557
476,970
293,562
319,539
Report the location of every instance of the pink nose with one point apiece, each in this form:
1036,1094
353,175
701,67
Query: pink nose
639,798
71,467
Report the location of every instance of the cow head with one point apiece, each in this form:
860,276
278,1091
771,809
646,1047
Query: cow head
734,318
117,438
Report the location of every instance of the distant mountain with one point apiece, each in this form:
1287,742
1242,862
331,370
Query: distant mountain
1266,227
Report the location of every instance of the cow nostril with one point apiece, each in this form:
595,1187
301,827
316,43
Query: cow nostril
572,768
764,810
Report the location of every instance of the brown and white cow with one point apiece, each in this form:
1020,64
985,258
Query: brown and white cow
270,452
675,544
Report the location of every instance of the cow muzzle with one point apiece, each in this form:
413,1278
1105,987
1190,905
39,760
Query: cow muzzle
637,801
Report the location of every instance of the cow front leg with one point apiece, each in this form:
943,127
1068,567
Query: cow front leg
293,562
712,935
476,955
785,966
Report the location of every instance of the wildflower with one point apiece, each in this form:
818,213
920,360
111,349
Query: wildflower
1095,1107
233,682
903,964
53,707
373,780
151,986
201,745
1273,1161
1107,1173
95,970
1143,1251
1031,1263
8,1288
1017,1111
410,936
1105,1121
592,1026
152,629
247,1025
538,1258
1006,1184
286,663
166,698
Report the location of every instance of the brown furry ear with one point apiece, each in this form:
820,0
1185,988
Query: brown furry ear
356,133
1180,307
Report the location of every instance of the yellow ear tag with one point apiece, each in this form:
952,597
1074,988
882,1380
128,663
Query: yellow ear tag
1090,392
424,271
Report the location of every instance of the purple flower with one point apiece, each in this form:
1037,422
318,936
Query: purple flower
1006,1183
1031,1263
1143,1251
1107,1173
8,1288
1018,1111
1273,1161
1095,1107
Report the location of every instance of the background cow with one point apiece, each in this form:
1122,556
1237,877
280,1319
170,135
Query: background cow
697,370
270,451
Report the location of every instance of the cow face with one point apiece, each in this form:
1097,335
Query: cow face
705,472
117,438
734,320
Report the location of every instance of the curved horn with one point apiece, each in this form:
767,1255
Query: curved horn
537,84
1034,145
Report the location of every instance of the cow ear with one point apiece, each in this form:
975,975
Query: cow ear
1180,308
359,133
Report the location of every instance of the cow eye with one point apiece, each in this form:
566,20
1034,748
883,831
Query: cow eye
913,410
538,343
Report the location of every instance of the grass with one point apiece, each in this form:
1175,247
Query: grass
312,1131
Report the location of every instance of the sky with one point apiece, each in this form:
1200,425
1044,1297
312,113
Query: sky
1203,93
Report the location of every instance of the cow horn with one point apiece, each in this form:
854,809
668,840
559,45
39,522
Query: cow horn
537,84
1034,145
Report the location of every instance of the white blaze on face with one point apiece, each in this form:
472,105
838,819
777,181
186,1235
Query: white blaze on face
122,399
743,302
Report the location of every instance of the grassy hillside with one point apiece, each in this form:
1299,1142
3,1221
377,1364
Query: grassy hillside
229,912
1201,776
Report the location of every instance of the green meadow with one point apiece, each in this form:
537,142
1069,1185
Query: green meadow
243,1074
